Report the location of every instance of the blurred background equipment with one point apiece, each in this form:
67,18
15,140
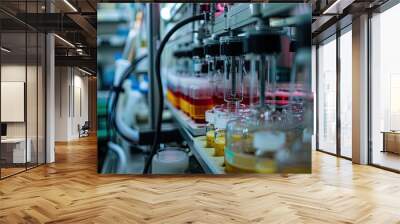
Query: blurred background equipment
236,79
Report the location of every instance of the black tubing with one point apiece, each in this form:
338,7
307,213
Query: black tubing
117,90
159,84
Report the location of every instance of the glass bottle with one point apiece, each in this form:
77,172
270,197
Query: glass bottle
218,95
173,79
299,117
212,54
184,80
247,150
200,94
239,155
232,55
210,128
221,120
250,97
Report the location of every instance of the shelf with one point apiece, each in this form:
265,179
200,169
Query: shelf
210,164
186,122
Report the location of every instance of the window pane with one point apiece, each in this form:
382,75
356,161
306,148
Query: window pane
41,99
314,89
31,97
327,97
14,153
346,94
385,89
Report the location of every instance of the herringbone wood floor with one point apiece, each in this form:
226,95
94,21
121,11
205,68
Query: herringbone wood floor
70,191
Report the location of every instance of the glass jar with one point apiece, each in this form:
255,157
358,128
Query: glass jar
173,94
185,55
232,54
172,89
184,83
200,98
239,152
210,128
249,148
212,54
298,118
221,119
250,95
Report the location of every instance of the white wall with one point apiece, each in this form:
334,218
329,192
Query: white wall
33,126
12,73
81,84
70,83
61,103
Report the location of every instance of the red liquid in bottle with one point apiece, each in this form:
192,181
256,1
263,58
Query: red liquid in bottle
218,96
201,99
281,98
247,99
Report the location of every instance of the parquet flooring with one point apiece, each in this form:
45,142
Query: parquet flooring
70,191
10,171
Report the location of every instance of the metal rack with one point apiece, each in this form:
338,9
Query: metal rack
241,16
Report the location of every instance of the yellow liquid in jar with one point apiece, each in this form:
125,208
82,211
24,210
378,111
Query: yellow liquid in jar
242,163
232,169
210,138
236,138
219,145
267,166
241,158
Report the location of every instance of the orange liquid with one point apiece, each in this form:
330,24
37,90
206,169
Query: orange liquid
173,98
198,108
184,104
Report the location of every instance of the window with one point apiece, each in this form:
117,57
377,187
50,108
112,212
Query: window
385,89
346,93
327,96
22,76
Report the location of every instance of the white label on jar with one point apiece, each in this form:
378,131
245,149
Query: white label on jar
269,141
